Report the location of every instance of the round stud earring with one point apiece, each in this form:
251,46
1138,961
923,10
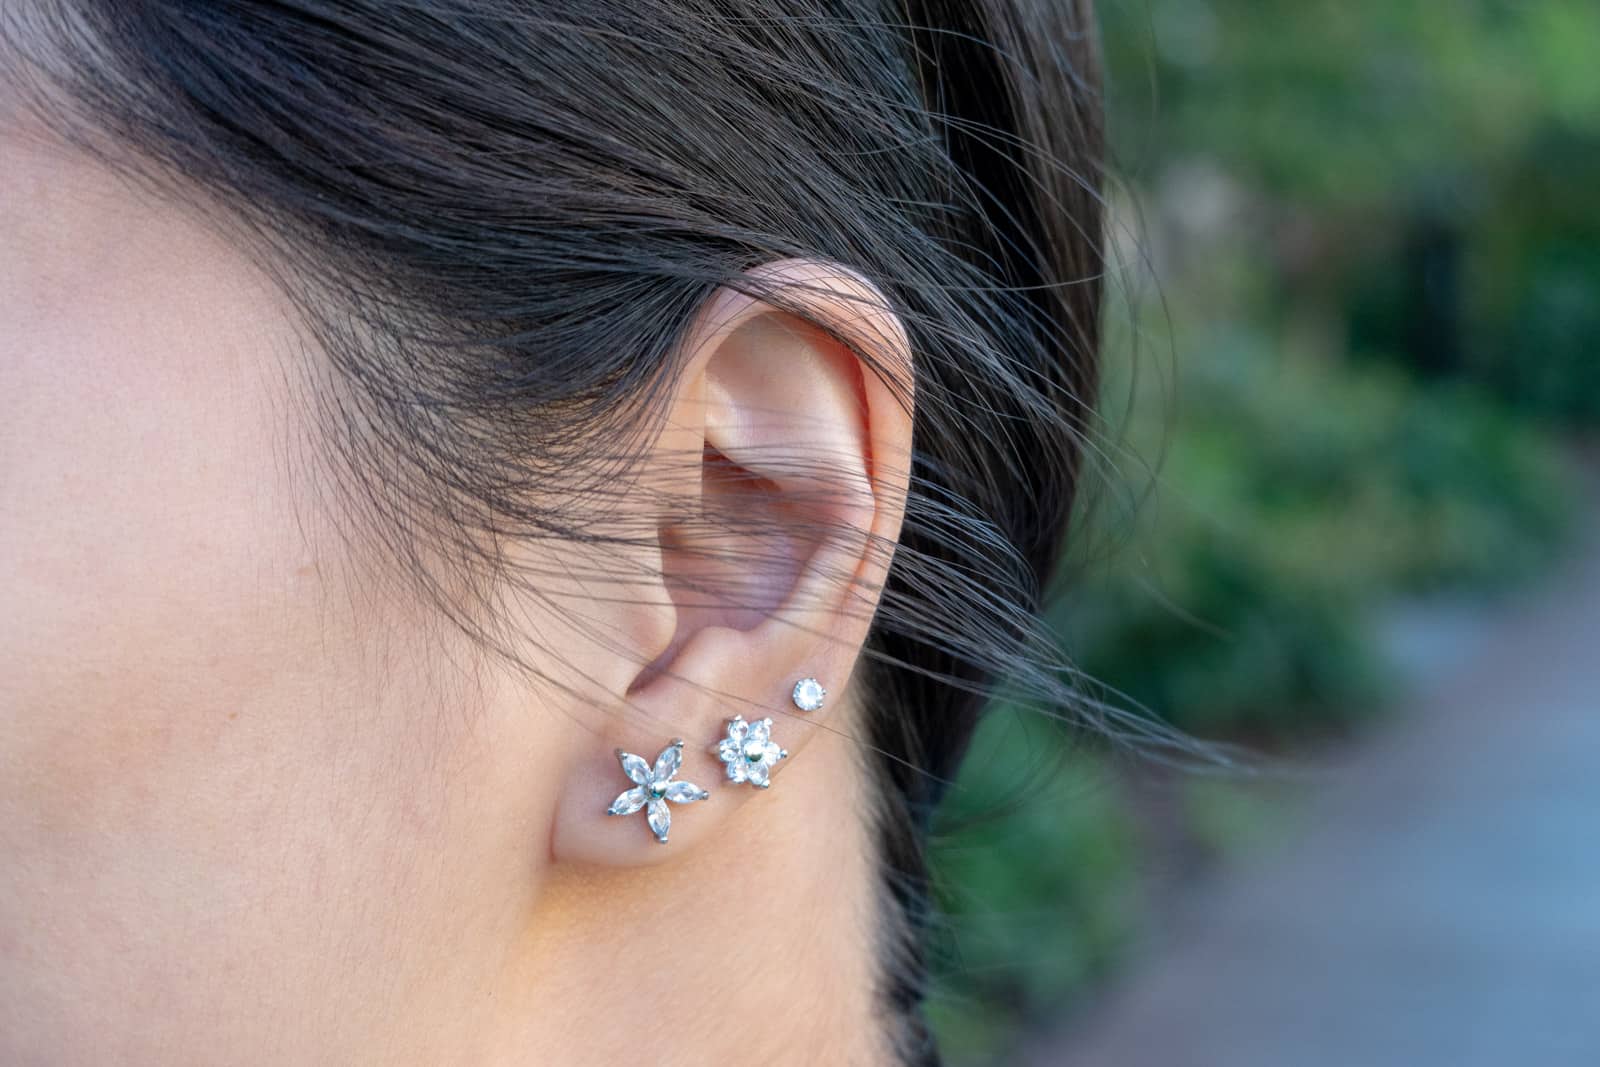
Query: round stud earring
749,752
808,694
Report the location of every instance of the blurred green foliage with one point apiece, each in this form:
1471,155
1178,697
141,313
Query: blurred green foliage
1295,499
1356,296
1423,176
1036,882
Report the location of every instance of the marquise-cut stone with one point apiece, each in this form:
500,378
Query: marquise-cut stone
660,817
634,767
685,792
668,762
627,803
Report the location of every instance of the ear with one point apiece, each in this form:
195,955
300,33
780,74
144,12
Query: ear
782,469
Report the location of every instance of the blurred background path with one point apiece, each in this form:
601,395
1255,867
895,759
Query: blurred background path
1345,509
1440,907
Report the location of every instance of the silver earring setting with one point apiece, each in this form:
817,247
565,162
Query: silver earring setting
654,786
748,752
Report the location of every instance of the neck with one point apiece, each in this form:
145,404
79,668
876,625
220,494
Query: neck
762,945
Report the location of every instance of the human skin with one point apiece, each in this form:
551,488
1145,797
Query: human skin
260,804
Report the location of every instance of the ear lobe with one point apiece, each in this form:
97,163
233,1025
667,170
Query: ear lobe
793,395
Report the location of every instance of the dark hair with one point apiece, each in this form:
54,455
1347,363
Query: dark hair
498,216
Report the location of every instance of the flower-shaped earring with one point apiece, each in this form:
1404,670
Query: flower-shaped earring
654,786
749,752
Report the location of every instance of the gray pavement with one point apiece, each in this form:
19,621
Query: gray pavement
1440,906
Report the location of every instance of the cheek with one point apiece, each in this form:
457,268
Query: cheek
181,680
147,536
219,743
203,755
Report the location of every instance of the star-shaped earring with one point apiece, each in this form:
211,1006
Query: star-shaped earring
654,786
749,751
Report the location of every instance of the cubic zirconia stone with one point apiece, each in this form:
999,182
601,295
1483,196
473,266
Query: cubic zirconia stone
809,694
667,763
660,819
685,793
634,767
627,803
